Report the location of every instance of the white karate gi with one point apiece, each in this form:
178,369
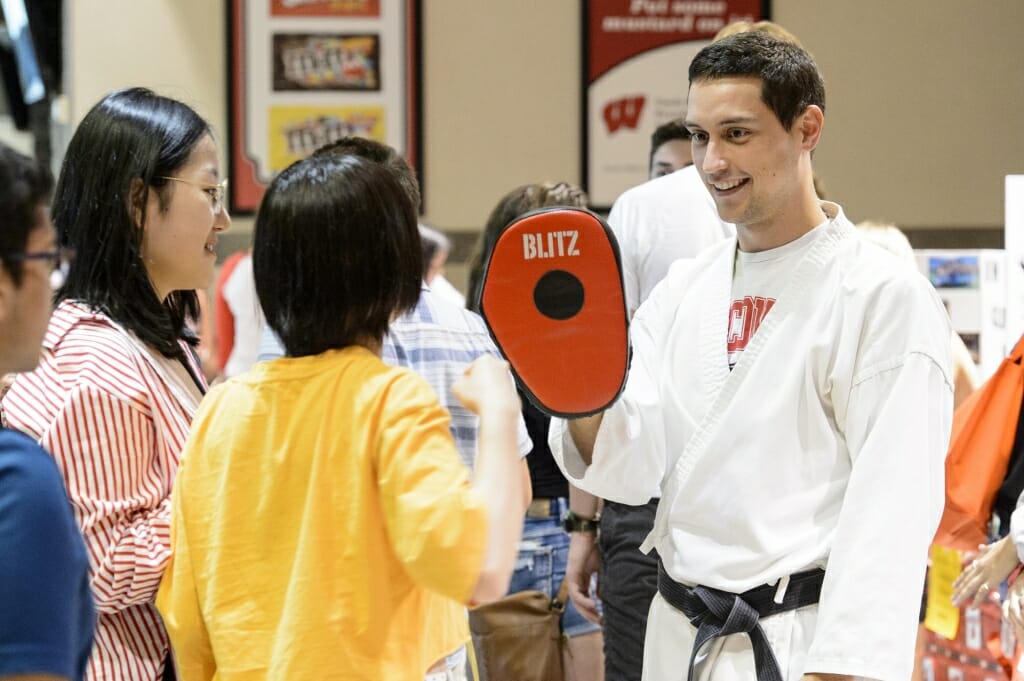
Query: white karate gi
824,446
658,222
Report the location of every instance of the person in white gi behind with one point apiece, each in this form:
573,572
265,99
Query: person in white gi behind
815,443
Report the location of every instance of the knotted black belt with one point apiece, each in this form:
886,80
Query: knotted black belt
719,613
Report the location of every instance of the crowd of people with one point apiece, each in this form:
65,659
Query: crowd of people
333,509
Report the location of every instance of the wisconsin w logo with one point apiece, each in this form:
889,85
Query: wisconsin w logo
623,112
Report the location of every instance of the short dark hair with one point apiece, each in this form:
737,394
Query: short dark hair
433,242
666,132
120,152
519,201
336,253
790,80
381,154
25,186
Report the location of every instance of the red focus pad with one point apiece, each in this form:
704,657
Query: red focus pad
552,299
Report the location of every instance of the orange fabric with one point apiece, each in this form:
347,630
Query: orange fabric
553,301
224,333
984,427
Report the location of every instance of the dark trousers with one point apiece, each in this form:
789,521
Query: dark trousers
169,669
629,580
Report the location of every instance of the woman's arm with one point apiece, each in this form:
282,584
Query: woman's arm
487,389
118,484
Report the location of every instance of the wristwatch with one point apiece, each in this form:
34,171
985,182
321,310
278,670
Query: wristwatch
574,523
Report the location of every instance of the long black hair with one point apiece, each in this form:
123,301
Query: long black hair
118,154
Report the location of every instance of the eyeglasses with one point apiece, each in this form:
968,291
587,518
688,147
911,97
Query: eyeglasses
216,192
60,262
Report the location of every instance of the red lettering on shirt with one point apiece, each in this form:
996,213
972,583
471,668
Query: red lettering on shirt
745,316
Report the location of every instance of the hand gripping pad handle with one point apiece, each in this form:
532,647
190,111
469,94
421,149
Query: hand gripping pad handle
552,298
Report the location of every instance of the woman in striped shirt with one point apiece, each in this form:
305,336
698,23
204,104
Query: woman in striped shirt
140,200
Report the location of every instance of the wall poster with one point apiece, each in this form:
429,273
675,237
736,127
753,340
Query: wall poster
305,72
636,54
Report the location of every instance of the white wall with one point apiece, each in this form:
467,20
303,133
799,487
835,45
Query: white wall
925,108
174,46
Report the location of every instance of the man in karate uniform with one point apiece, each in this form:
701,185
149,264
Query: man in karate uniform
790,393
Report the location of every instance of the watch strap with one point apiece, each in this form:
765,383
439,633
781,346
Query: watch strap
571,522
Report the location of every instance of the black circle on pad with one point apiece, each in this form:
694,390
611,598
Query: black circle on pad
558,295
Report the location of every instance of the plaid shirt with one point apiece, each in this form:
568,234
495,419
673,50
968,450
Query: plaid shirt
436,340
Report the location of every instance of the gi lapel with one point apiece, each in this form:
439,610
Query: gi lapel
723,383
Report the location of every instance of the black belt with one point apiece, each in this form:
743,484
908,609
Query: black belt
719,613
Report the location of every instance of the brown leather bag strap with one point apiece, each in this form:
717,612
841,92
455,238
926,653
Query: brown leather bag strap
562,597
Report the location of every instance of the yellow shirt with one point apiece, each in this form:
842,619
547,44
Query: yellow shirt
322,527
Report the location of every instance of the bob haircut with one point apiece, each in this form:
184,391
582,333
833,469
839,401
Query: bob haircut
119,153
519,201
378,153
25,186
336,253
790,80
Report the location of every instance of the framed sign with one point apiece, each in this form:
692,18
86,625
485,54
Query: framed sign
636,54
305,72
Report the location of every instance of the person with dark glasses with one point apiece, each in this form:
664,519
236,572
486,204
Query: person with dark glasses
46,608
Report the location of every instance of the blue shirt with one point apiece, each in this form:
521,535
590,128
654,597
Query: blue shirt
437,339
46,609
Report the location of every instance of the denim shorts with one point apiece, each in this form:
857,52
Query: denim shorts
540,565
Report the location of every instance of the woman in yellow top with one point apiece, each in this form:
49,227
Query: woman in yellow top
322,524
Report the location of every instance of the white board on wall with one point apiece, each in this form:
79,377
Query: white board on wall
972,287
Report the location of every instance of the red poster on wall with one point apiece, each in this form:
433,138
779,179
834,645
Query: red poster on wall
635,59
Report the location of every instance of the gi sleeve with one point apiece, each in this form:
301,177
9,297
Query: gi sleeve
436,523
107,453
896,425
629,460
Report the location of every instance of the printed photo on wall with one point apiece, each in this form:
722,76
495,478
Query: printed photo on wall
303,73
953,272
326,62
298,131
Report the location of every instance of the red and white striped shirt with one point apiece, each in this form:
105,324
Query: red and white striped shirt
115,414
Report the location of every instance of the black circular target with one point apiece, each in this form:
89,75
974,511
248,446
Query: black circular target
558,295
